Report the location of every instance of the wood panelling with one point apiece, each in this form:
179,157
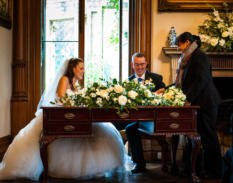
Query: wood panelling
4,143
26,62
140,30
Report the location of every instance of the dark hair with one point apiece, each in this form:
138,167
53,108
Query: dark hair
188,36
137,54
73,62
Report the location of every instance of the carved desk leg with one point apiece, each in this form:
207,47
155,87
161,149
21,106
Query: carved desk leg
196,143
44,142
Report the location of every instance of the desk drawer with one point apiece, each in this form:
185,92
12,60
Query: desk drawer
174,114
174,125
67,115
68,128
100,115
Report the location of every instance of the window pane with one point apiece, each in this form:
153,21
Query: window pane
61,20
59,35
56,54
101,40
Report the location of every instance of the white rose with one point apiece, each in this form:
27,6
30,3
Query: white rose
220,25
110,89
103,93
222,42
69,92
204,38
107,97
129,101
132,94
118,89
142,86
225,34
93,95
155,102
216,13
99,102
135,80
122,100
214,41
147,93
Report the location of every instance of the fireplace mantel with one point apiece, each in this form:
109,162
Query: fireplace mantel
222,62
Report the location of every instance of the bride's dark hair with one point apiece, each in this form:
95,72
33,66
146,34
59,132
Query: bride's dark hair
73,62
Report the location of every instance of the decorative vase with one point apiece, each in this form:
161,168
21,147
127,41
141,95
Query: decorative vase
172,37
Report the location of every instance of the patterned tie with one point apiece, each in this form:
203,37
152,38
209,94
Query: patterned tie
139,80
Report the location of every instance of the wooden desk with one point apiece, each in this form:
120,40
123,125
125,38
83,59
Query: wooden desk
76,122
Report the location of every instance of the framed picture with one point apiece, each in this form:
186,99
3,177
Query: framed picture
192,5
5,13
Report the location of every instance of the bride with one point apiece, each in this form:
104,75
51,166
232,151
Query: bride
68,158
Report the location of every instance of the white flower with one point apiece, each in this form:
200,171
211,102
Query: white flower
222,42
93,95
103,93
69,92
135,80
155,102
214,41
225,34
220,25
122,100
129,101
99,102
110,89
132,94
148,93
143,102
118,89
231,28
107,98
142,86
216,14
204,38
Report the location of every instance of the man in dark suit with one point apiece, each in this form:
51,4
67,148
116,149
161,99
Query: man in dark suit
139,64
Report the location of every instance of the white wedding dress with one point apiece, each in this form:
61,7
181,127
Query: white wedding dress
67,158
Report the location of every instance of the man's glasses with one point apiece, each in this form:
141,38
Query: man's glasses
142,64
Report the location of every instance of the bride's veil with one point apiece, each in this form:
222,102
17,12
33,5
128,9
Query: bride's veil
49,93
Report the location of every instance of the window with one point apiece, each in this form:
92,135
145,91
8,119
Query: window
103,32
106,39
60,35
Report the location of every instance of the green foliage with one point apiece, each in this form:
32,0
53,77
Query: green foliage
122,95
216,33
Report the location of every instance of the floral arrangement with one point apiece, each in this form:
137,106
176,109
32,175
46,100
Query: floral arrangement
122,96
216,33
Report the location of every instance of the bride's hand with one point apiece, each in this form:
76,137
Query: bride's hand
159,91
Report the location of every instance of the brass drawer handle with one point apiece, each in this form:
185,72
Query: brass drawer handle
123,115
174,126
174,115
69,115
69,128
